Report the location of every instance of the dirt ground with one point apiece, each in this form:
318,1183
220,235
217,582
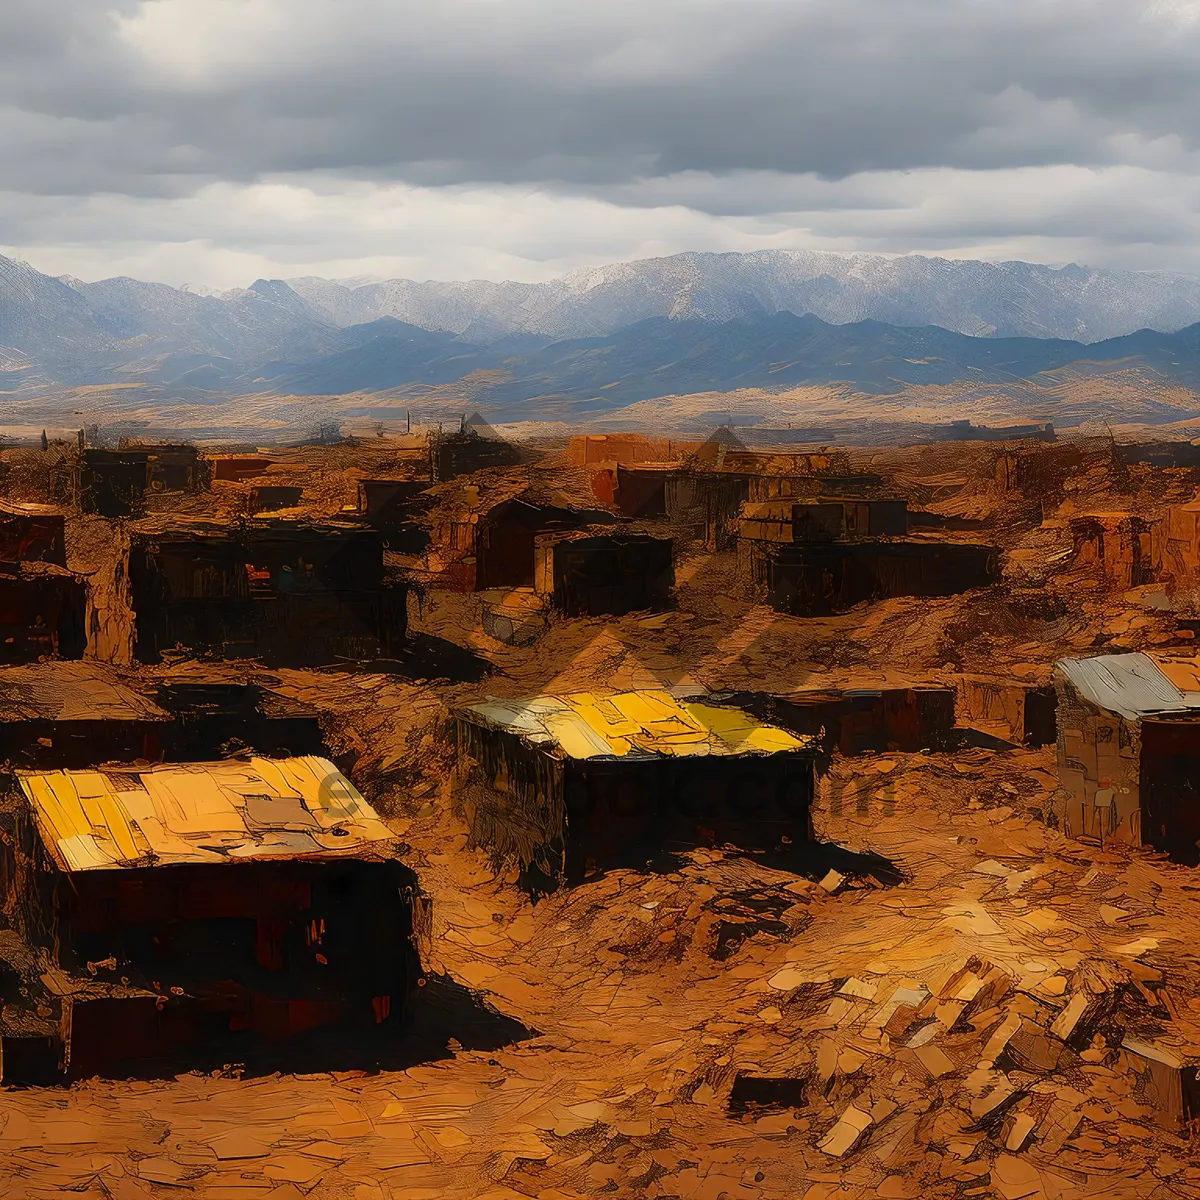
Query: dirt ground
874,1015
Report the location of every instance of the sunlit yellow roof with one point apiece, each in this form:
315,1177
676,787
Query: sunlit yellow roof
594,725
199,813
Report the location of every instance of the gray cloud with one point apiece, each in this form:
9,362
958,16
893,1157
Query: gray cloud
451,91
832,120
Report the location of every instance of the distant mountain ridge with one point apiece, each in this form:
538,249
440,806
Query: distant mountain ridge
1012,299
602,338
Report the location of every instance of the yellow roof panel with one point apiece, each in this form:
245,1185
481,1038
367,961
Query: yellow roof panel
649,722
199,813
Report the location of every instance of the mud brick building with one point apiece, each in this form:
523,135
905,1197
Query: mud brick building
390,502
42,612
73,714
1167,455
810,487
42,604
114,483
289,591
1017,710
817,579
609,449
1119,544
596,574
32,533
487,541
268,497
210,716
396,507
1129,750
564,785
467,451
234,468
860,720
204,905
1176,545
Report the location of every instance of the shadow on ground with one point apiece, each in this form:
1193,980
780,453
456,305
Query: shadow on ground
427,657
443,1017
814,860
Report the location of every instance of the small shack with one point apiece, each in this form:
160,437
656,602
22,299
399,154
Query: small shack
819,579
863,720
114,483
269,497
211,717
1016,710
604,574
42,612
473,448
234,468
289,591
563,786
72,714
1118,543
486,540
204,905
1129,750
395,507
32,533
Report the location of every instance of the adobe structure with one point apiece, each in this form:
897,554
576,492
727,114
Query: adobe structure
904,718
209,717
484,541
563,786
592,574
32,533
74,714
285,591
1128,744
818,579
1120,544
202,906
114,483
473,448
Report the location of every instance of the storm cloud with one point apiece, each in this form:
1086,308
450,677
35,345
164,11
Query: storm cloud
186,138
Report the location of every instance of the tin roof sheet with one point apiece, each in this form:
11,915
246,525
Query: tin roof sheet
637,724
1132,685
199,813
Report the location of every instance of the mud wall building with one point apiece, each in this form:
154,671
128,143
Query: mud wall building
861,720
564,786
597,574
204,906
463,453
609,449
286,591
114,483
74,714
1119,544
32,533
488,542
819,579
1015,709
209,718
1129,750
42,613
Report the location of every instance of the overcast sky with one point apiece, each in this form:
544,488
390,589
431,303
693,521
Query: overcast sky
215,141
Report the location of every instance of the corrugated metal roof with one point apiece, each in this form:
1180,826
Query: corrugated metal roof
199,813
632,724
1129,684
